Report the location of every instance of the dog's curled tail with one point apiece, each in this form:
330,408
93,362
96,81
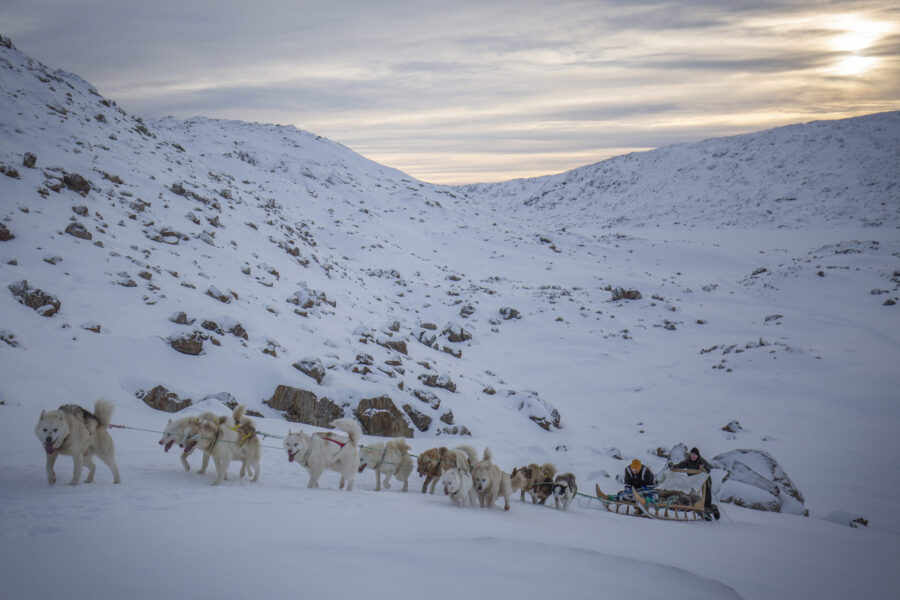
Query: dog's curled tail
487,454
238,413
549,470
470,452
401,445
351,428
103,410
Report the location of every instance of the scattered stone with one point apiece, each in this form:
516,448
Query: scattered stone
45,304
438,381
447,417
9,338
78,230
419,419
842,517
621,293
29,160
509,313
191,344
160,398
80,210
733,427
396,345
379,416
226,298
77,183
456,334
181,318
313,367
5,234
95,327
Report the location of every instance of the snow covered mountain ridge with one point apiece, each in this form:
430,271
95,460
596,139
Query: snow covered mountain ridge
818,174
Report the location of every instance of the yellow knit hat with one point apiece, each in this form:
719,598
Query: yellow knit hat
636,465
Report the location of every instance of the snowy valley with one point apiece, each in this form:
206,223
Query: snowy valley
738,293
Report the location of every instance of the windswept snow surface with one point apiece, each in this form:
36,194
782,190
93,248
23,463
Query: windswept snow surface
767,267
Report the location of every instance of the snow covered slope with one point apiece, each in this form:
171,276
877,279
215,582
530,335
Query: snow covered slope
767,267
820,174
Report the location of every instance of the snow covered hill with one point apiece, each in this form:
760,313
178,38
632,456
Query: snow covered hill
822,174
584,319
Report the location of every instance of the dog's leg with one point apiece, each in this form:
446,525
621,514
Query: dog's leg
110,460
406,484
77,460
184,462
221,468
204,464
425,485
91,468
433,483
51,475
387,480
256,475
377,479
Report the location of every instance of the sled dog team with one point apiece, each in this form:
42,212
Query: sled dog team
76,432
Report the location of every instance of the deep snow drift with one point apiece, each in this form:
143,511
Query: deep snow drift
767,267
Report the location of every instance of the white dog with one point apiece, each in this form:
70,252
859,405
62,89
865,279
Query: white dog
457,481
217,438
564,489
324,450
76,432
390,459
247,449
175,431
490,482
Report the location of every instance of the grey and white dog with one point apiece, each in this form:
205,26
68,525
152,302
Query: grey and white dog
74,431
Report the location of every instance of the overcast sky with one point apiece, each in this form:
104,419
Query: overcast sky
466,91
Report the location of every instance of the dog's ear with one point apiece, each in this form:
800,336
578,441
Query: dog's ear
43,413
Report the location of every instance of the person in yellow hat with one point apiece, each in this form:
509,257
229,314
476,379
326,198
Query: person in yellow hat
638,475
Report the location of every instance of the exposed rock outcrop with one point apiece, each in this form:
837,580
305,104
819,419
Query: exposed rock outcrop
303,406
160,398
753,479
379,416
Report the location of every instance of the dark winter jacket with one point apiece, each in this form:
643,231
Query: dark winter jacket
643,478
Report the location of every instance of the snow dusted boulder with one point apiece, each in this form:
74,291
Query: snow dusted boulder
303,406
539,410
45,304
380,416
456,333
5,235
160,398
754,479
190,344
311,366
842,517
225,297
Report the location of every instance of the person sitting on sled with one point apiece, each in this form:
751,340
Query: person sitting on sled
636,476
696,462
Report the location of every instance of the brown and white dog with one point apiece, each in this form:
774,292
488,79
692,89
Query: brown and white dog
564,489
216,437
390,459
432,463
535,480
247,448
175,432
76,432
490,482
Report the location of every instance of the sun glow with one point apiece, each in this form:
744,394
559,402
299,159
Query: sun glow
856,35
